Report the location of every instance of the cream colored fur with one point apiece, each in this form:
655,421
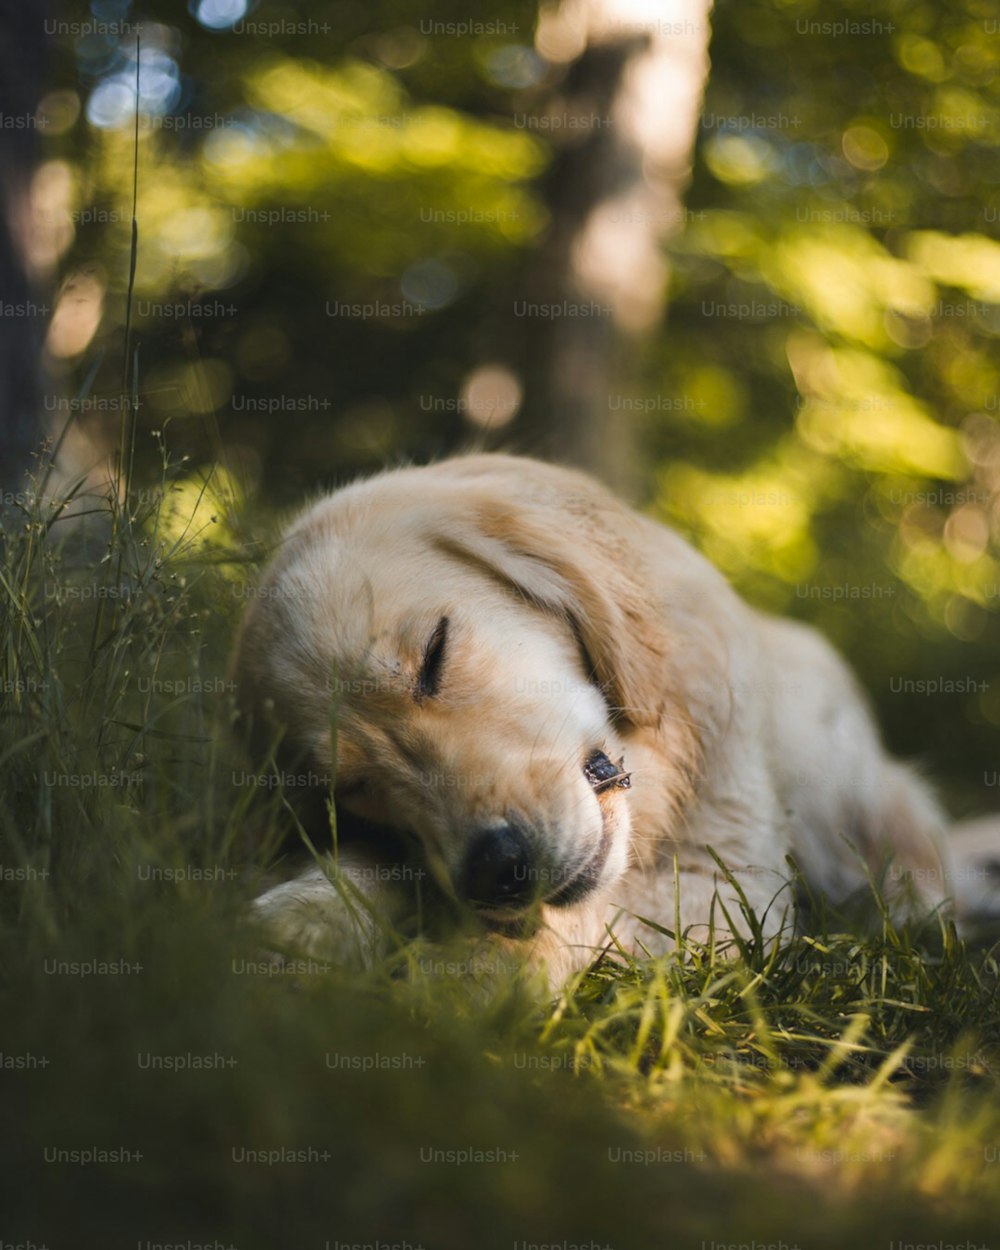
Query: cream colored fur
742,733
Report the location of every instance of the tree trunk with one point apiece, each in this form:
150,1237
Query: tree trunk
22,63
625,121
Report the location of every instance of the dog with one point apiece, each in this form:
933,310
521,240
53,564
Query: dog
562,719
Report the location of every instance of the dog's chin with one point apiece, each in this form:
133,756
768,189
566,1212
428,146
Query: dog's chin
511,924
525,921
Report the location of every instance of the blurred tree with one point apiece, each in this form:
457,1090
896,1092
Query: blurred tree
314,187
22,308
624,118
825,409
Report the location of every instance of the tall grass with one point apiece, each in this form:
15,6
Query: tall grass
825,1090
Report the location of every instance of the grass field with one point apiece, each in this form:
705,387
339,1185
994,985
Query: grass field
163,1086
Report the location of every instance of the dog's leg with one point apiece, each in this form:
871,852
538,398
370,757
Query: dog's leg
339,910
905,826
850,812
975,869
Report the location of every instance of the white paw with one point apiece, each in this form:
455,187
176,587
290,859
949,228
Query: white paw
311,916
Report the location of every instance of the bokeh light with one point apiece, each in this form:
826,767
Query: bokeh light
220,14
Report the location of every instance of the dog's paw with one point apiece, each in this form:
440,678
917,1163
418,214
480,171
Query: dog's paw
974,847
310,918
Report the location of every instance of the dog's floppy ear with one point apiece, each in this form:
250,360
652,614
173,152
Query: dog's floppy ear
565,560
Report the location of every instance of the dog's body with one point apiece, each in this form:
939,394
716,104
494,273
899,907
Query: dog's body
488,634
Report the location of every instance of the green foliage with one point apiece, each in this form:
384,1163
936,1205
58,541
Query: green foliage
299,175
831,348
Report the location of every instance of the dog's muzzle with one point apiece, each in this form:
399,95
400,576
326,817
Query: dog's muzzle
500,875
498,869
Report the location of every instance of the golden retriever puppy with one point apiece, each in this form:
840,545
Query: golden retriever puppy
565,710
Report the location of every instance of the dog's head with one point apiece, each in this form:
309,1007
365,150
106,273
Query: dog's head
467,648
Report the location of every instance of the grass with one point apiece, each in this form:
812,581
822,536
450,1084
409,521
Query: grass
824,1091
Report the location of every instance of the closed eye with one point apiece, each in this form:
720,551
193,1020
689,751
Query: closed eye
429,678
602,774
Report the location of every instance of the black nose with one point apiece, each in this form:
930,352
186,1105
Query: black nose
498,868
